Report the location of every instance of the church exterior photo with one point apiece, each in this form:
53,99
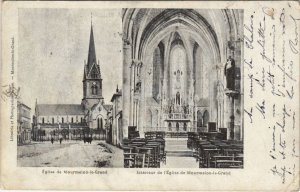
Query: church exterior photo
76,121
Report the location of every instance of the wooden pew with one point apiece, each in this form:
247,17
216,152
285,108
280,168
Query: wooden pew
129,156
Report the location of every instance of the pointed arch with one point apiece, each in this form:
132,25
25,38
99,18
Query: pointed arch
170,126
199,119
177,126
205,118
158,65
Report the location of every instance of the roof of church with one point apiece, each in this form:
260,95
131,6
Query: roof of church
92,51
92,68
117,94
60,109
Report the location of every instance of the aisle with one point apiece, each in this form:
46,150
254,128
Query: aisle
178,155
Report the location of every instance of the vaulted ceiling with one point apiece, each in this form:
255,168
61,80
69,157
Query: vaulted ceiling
212,29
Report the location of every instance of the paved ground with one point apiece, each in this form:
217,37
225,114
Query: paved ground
97,154
70,154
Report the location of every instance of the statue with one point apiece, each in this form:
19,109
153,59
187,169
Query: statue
229,72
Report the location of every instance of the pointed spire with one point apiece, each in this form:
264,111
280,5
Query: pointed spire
92,51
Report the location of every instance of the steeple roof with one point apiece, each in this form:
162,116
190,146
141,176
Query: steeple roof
92,51
92,68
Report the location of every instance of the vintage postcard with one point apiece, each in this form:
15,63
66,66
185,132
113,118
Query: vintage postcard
150,95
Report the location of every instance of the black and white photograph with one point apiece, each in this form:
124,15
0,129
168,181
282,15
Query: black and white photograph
69,106
132,88
150,95
182,89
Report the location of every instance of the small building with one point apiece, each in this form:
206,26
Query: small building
116,118
23,124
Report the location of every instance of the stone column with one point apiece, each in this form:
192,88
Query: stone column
227,114
126,87
232,117
131,89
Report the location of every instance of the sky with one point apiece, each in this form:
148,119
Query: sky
53,45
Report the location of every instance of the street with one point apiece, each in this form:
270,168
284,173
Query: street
70,154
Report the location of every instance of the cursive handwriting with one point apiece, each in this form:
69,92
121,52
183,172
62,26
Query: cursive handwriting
251,85
282,174
262,81
294,42
273,44
249,63
284,114
249,39
262,39
10,91
282,20
261,108
249,113
290,93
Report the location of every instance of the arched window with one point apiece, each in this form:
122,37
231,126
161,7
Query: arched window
177,126
184,126
158,57
62,120
197,72
81,120
94,73
205,118
43,120
178,64
170,126
52,120
72,120
199,119
99,123
94,90
201,72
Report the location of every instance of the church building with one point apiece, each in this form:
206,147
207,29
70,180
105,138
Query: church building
72,121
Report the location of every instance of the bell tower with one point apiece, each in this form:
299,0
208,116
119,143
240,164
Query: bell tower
92,81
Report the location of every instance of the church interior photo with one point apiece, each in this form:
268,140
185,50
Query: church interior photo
182,88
